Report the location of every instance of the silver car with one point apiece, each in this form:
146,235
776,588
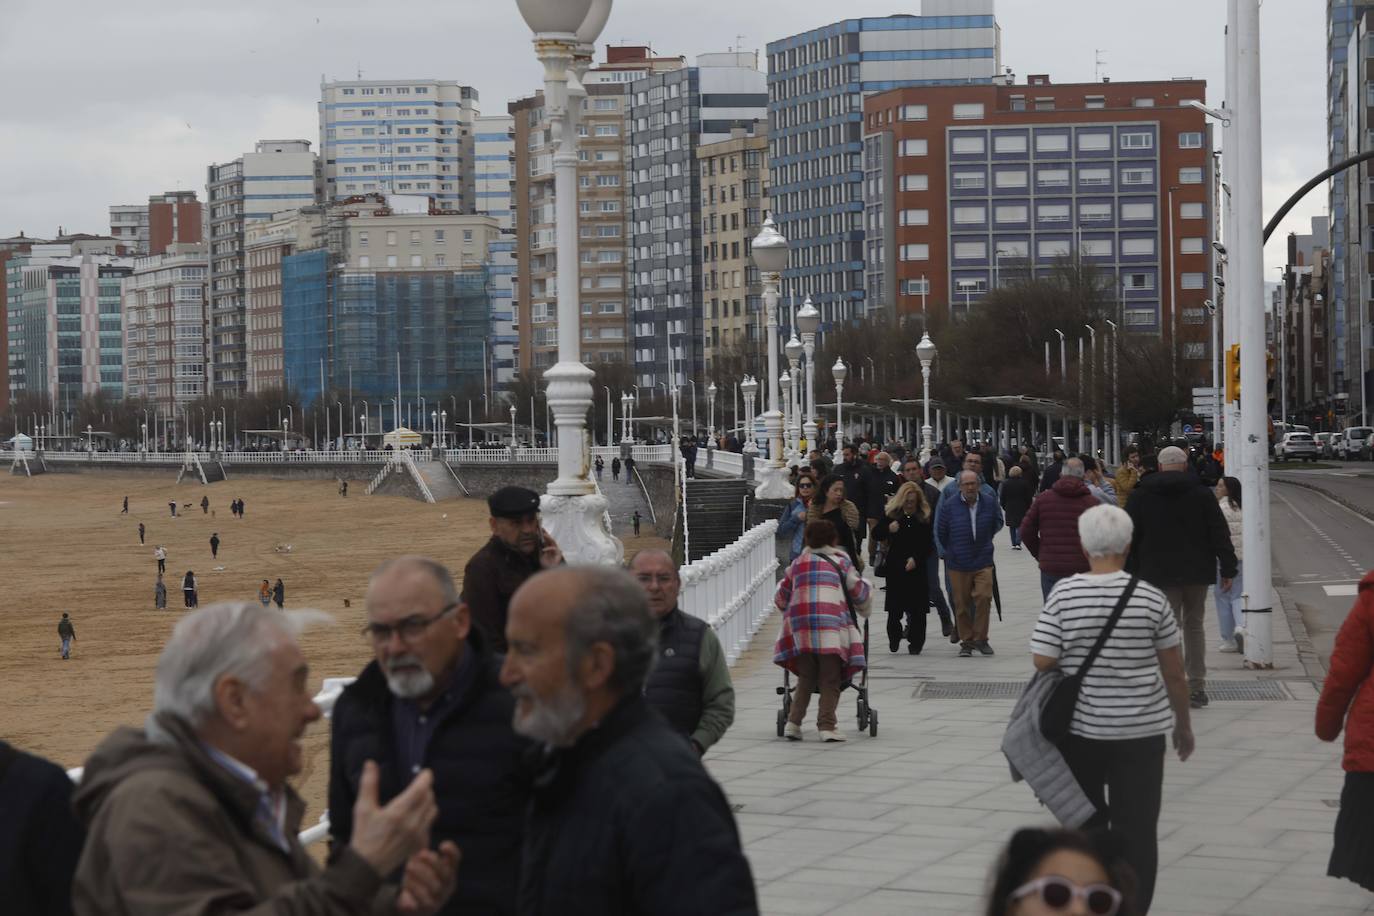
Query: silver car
1294,446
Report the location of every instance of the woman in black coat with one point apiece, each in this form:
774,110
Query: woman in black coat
1016,496
908,530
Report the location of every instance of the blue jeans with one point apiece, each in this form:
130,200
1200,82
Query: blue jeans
937,597
1015,535
66,647
1047,583
1230,612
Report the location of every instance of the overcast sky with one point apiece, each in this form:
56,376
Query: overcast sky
109,103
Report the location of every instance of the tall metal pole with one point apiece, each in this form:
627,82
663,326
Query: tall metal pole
1116,409
1230,300
1092,386
1081,427
1247,264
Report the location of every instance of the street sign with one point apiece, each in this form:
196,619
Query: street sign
1187,429
1206,391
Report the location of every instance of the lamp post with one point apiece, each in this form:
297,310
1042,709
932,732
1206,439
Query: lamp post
144,428
512,427
564,35
785,387
749,388
1115,452
926,353
696,430
1092,386
840,373
795,351
1081,425
1063,377
625,400
770,256
710,418
809,321
285,433
610,417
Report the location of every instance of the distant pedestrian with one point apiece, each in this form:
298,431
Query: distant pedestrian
188,589
1050,528
125,510
214,545
629,470
67,633
1348,701
1015,495
173,506
141,531
1099,484
830,503
160,554
1128,475
637,518
279,595
964,530
615,470
600,467
205,505
343,487
1230,608
160,593
1049,871
792,524
240,508
265,593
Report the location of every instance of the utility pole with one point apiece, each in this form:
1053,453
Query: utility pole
1230,300
1247,266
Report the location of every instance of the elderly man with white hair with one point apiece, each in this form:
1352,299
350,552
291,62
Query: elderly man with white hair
193,814
1116,740
1181,542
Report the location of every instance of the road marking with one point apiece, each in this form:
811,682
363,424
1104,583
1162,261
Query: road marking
1342,591
1340,505
1330,542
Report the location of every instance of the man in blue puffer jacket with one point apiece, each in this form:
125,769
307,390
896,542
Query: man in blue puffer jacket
964,531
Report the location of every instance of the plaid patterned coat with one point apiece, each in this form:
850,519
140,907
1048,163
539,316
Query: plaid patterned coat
815,615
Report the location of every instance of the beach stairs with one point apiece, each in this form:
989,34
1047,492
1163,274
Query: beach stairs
622,501
717,514
403,476
442,480
22,465
192,467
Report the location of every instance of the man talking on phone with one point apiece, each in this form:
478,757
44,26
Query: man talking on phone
519,548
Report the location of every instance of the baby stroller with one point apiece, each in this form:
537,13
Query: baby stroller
867,715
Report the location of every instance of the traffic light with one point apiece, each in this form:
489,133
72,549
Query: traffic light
1233,374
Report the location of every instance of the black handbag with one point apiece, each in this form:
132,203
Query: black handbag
1057,712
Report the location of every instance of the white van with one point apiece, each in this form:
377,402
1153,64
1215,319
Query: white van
1347,445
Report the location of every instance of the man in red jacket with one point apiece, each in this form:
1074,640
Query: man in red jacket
1050,528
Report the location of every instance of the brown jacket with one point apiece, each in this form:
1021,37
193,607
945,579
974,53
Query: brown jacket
849,534
489,580
170,831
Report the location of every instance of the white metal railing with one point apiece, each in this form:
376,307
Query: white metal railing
732,589
408,462
728,462
502,456
380,476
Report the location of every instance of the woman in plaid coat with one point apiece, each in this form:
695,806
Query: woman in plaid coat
820,640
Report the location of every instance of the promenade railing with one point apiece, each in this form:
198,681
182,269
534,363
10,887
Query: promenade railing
732,588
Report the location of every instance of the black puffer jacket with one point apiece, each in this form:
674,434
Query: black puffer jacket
40,837
479,776
1180,533
627,822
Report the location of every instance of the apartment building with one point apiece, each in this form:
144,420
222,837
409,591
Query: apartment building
494,158
166,327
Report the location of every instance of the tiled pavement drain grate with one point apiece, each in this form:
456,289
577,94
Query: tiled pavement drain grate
1263,690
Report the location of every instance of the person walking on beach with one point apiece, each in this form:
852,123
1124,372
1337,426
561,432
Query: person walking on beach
172,504
214,545
160,594
265,593
279,594
67,633
160,554
125,510
141,531
637,519
205,505
188,589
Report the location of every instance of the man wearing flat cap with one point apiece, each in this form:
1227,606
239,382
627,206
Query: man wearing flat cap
519,548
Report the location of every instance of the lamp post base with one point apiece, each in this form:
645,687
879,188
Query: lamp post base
581,527
772,482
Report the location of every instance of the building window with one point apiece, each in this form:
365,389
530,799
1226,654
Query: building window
1139,210
1193,281
1049,249
1138,139
364,261
968,111
1193,245
914,113
970,251
1009,143
1052,178
913,148
1140,281
970,216
1012,213
416,261
914,218
391,238
968,145
1052,213
915,182
1190,211
1190,139
1195,350
1137,247
1013,249
1094,177
1096,142
1142,103
607,130
1095,101
1095,248
1095,212
914,253
1009,178
1044,103
1190,176
968,181
1051,143
919,287
391,260
1018,103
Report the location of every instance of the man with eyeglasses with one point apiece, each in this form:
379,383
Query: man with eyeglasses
690,683
519,548
432,700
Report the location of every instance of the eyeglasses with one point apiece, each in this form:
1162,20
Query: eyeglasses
806,486
410,629
1057,893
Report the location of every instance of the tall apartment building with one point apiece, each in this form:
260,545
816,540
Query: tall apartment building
969,183
1352,209
266,243
817,81
734,197
670,116
13,247
279,175
494,164
169,218
129,224
1304,329
399,137
166,327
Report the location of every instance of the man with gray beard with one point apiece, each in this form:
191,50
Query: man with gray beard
432,699
624,818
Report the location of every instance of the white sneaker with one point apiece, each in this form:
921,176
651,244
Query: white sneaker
832,736
1228,646
792,732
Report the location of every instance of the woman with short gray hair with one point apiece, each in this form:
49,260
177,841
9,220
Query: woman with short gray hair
1115,744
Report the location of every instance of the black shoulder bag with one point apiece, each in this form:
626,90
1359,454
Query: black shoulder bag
848,599
1057,712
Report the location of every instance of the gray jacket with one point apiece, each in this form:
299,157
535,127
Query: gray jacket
1037,760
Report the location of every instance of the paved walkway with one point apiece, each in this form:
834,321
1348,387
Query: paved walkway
911,821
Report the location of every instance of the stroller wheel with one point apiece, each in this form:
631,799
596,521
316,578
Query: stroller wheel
782,722
873,723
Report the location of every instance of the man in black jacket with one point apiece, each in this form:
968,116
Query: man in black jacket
432,699
518,549
857,483
40,837
624,818
1181,540
883,482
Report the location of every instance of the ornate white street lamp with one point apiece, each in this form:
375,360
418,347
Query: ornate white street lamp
809,321
749,388
564,33
840,373
710,417
785,387
926,353
770,256
795,351
512,427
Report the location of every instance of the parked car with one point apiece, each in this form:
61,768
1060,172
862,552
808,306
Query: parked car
1350,442
1323,444
1294,446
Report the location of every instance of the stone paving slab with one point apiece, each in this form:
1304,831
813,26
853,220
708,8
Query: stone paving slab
911,821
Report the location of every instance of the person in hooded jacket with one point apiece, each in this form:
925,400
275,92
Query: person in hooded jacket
1347,702
1050,528
1015,495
